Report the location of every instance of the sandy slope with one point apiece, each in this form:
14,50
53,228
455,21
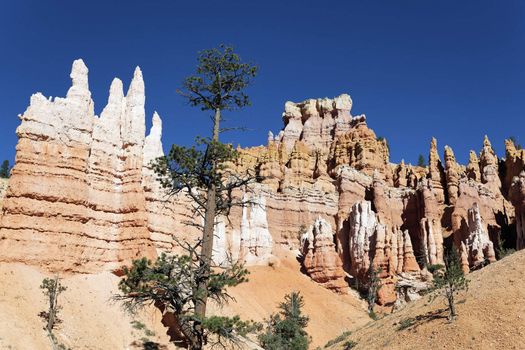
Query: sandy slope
492,316
91,321
330,314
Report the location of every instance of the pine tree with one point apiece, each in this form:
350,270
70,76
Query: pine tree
4,169
171,283
449,281
52,288
182,284
373,286
421,161
286,330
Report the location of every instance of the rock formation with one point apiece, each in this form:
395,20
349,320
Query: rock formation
75,200
256,242
373,246
320,258
478,244
83,197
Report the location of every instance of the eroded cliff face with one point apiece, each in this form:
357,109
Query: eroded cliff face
329,165
82,196
75,198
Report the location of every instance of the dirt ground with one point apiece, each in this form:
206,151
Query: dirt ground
491,313
491,316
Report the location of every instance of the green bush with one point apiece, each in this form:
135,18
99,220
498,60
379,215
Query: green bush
286,330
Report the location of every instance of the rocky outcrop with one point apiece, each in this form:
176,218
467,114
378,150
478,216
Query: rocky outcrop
320,259
489,167
363,227
75,200
373,246
452,172
431,231
479,247
436,173
256,241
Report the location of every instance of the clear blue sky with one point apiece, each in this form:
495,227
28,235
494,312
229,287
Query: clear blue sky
450,69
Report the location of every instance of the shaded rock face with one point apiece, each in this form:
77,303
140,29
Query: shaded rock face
478,244
82,196
517,196
374,246
320,258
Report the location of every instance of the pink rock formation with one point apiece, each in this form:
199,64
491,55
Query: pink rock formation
489,167
514,163
473,171
320,259
363,229
373,245
452,173
436,173
431,232
75,200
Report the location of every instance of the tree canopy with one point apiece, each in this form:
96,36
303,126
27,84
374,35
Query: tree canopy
220,80
4,169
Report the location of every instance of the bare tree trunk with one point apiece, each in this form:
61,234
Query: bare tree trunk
451,303
51,315
207,237
52,306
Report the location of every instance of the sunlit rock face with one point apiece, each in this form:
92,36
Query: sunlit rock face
83,197
320,258
328,163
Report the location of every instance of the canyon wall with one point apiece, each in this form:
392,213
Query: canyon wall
82,196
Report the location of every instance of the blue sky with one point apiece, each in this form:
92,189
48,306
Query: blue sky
417,69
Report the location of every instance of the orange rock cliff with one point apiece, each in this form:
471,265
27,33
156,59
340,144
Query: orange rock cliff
82,198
